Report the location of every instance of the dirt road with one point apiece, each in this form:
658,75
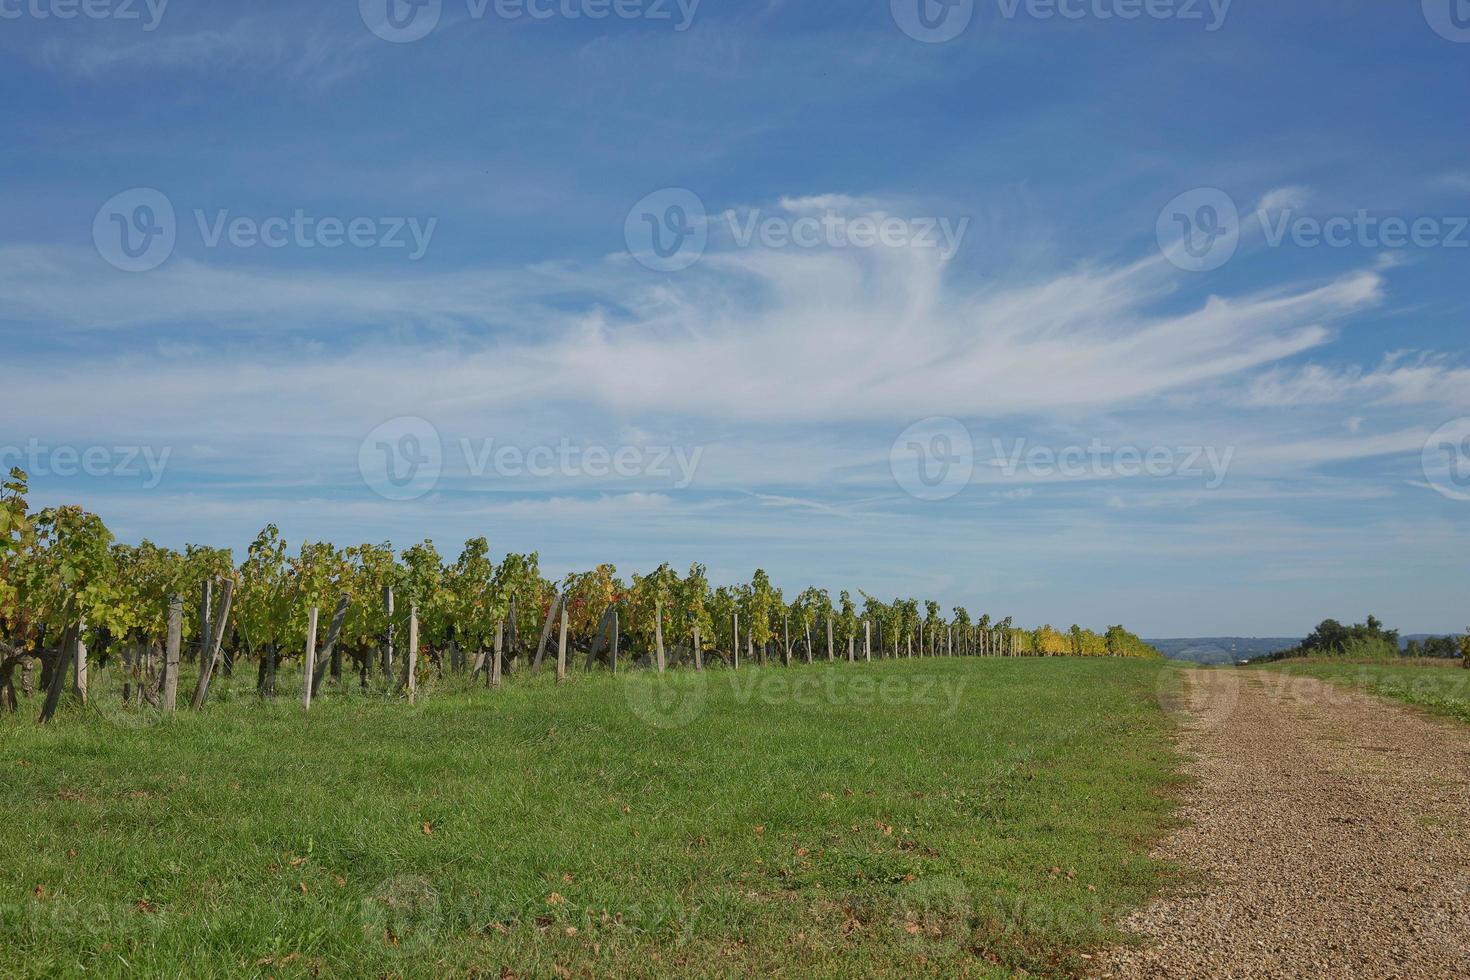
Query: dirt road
1331,834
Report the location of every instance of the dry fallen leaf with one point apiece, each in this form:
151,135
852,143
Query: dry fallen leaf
554,899
298,862
341,882
301,885
428,829
760,828
39,892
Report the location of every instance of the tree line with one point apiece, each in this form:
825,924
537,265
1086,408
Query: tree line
69,590
1369,640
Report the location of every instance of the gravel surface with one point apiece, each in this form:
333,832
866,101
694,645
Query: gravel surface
1330,832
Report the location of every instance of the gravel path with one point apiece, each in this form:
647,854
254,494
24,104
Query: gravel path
1332,833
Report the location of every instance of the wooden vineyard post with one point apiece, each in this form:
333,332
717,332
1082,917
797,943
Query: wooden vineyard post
851,655
829,639
329,653
658,635
561,648
171,655
387,665
616,629
211,649
79,663
949,642
786,642
735,640
310,668
206,629
556,603
493,674
867,642
411,661
57,681
698,650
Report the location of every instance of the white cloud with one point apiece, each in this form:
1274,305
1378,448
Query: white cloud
826,202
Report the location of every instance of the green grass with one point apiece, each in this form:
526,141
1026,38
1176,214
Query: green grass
1441,687
889,819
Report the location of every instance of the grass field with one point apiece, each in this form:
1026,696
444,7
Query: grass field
945,817
1440,686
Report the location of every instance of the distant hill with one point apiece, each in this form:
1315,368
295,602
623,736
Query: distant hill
1222,649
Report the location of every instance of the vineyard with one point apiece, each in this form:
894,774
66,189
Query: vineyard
72,597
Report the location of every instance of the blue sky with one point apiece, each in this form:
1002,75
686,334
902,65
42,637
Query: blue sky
769,399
